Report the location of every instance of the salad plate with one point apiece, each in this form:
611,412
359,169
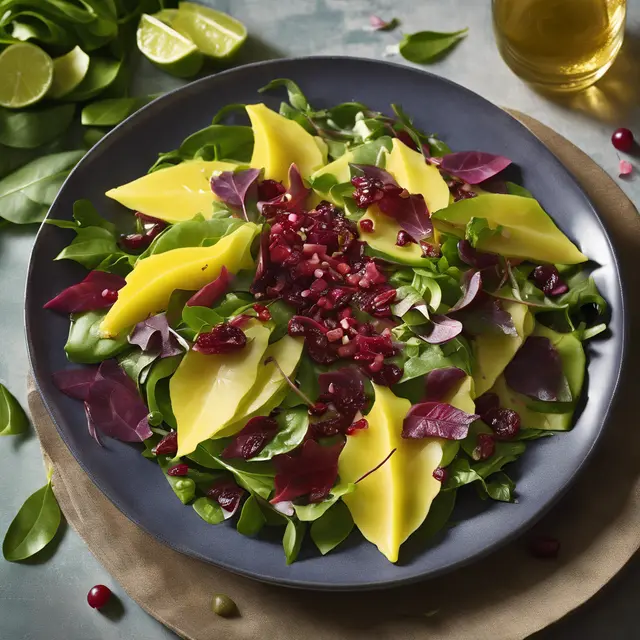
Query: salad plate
224,337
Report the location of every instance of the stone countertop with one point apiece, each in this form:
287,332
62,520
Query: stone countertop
45,598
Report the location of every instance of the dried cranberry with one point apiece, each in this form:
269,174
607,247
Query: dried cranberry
366,225
547,278
264,315
367,191
485,447
318,409
505,423
358,425
98,596
223,338
226,493
544,547
440,474
180,469
168,446
461,191
403,239
252,438
270,190
486,404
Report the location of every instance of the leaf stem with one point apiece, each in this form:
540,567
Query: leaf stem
290,382
361,478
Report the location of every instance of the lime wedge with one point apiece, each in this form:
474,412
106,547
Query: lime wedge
26,73
216,34
166,15
68,72
168,49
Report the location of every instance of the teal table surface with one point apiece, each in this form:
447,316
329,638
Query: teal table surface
45,599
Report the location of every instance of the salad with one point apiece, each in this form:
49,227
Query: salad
327,320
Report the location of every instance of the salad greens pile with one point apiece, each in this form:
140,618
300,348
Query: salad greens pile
360,323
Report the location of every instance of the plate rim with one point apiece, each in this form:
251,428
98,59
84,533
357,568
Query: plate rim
353,585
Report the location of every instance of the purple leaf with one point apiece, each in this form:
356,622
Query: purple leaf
413,216
442,330
297,192
75,382
488,317
376,173
91,427
437,420
440,382
211,292
153,334
475,258
536,370
87,295
115,407
378,24
233,187
471,287
263,276
473,166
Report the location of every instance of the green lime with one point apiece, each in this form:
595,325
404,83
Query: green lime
26,73
68,72
166,15
216,34
168,49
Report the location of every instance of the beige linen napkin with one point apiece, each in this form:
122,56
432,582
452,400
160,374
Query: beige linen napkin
506,596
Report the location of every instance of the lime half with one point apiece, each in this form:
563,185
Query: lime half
68,72
216,34
168,49
26,73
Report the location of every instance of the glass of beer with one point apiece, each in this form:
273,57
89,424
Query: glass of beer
559,45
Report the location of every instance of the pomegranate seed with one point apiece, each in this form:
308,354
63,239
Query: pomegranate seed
264,315
440,474
376,365
485,447
403,239
358,425
335,334
622,139
178,470
98,596
168,445
505,423
544,547
110,295
135,241
343,268
366,225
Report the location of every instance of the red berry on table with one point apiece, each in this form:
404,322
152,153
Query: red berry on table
622,139
98,596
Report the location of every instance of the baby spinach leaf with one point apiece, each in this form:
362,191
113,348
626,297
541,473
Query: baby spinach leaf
293,425
86,215
200,319
183,486
281,313
209,510
332,528
26,194
251,518
478,230
228,142
157,388
196,232
30,128
90,247
232,303
501,487
102,72
297,99
292,540
85,344
34,526
505,452
425,47
112,111
437,147
431,357
13,419
315,510
137,364
516,190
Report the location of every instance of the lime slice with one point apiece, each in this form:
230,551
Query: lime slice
68,72
168,49
26,73
166,15
216,34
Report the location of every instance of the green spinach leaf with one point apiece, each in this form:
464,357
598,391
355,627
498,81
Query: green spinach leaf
228,142
209,510
157,388
85,344
102,72
315,510
293,425
251,518
292,540
425,47
27,129
13,419
332,528
112,111
34,526
183,486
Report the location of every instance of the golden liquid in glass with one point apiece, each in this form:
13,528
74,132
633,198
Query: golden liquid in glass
559,45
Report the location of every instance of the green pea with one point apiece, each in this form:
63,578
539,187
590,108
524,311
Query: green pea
155,418
224,606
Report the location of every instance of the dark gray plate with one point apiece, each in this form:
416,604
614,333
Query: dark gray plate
465,121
